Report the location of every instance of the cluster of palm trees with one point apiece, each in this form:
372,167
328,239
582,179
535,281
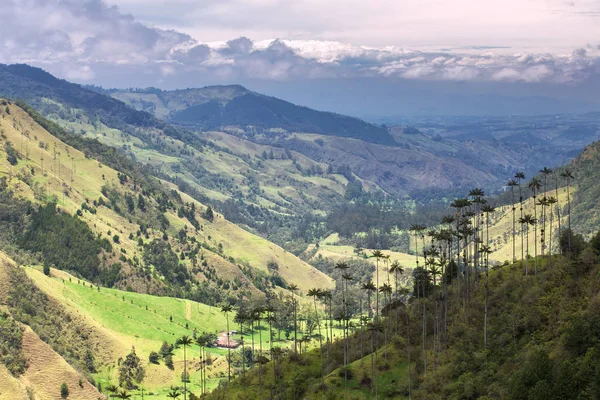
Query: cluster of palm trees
549,209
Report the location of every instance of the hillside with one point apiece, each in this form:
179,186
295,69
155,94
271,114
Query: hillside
542,343
218,107
46,168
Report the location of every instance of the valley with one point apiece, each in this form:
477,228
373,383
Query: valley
334,257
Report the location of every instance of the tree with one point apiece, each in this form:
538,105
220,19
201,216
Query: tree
314,293
551,203
545,172
520,176
534,186
64,391
185,341
131,371
378,255
226,309
209,215
112,389
293,288
512,183
173,394
123,395
567,175
527,221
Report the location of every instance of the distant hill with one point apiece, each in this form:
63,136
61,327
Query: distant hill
215,107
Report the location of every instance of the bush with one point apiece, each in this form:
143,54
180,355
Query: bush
153,358
64,391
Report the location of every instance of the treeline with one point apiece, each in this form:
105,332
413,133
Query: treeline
64,241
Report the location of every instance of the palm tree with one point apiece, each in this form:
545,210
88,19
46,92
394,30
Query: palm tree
258,316
294,288
512,183
545,172
123,395
226,309
386,290
314,293
556,175
551,202
374,328
346,314
486,252
396,269
185,341
112,389
240,318
202,341
543,202
369,287
520,176
567,174
534,186
526,221
173,394
329,297
378,255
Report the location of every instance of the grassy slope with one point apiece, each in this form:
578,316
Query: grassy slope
279,179
88,177
46,370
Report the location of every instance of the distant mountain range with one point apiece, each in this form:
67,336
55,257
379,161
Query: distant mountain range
434,156
218,107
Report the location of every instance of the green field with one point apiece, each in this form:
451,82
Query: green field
144,321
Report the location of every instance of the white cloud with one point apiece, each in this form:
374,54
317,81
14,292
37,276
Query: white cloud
79,38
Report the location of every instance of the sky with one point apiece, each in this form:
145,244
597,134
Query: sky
405,56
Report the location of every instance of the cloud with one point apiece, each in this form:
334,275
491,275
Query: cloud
83,39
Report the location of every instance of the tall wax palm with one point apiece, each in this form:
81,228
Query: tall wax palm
434,271
545,172
415,229
526,221
543,202
226,309
534,186
329,297
511,184
386,290
487,210
378,255
396,269
374,328
202,343
567,175
369,287
240,318
551,203
485,249
293,288
520,176
314,293
257,313
185,341
346,278
459,205
556,176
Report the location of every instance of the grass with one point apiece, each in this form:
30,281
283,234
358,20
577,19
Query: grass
144,321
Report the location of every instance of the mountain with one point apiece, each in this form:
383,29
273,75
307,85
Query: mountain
218,107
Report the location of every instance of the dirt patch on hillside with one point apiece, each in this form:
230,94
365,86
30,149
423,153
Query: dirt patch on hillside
48,370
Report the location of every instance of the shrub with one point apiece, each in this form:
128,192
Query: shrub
64,391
